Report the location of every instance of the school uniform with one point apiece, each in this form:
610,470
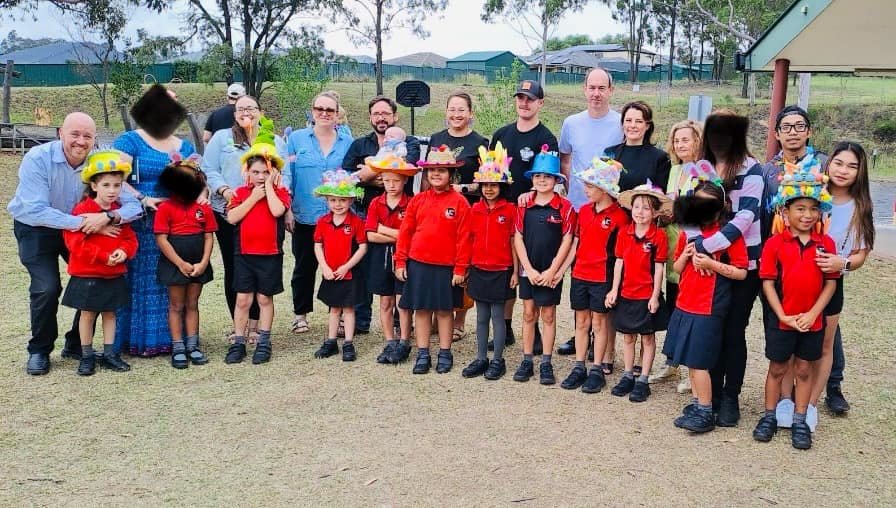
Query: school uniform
433,245
258,256
694,336
95,286
592,272
543,228
340,242
492,231
799,282
640,256
186,225
380,256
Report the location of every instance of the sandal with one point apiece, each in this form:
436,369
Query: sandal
252,337
607,368
458,334
300,324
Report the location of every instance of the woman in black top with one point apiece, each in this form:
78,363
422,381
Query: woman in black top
460,133
641,160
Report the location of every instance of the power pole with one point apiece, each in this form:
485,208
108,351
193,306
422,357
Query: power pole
672,40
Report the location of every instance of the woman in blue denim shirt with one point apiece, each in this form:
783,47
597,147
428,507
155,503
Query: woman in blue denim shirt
312,151
224,171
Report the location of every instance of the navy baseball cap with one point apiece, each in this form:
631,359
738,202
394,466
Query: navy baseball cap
531,89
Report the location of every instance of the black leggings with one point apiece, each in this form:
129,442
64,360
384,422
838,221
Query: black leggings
226,243
728,374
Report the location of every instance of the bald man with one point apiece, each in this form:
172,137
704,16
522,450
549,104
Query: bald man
49,187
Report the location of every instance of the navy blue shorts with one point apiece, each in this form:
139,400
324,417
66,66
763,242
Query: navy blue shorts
584,295
258,274
780,345
544,296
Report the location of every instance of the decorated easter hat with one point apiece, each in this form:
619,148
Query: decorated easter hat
182,177
803,180
602,173
647,189
700,171
264,146
694,210
391,163
442,157
494,166
546,163
105,161
339,183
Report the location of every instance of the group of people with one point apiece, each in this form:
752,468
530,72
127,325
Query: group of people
682,240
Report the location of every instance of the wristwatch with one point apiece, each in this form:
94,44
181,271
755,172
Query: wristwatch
111,216
846,266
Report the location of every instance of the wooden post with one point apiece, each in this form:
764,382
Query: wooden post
7,94
779,96
125,117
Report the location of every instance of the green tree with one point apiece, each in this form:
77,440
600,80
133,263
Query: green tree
300,75
496,107
556,43
12,42
613,39
638,15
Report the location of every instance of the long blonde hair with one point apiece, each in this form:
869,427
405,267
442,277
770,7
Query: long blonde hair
696,128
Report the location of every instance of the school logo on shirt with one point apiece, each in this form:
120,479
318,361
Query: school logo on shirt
347,229
200,217
502,219
606,223
647,246
554,219
401,214
526,154
450,213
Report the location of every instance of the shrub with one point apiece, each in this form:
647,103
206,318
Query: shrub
885,130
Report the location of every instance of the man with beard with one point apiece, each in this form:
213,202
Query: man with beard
49,187
383,114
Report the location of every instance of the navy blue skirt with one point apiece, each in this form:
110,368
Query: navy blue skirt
339,293
489,286
190,248
632,316
428,287
95,294
693,340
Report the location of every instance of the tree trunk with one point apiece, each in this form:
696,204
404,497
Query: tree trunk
544,51
672,40
228,40
744,87
379,47
702,47
7,94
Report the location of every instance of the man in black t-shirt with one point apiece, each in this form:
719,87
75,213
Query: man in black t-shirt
223,117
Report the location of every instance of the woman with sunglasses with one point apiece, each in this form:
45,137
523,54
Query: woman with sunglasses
312,151
223,169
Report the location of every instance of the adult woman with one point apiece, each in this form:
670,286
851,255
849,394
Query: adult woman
142,327
312,151
642,161
725,146
460,134
224,171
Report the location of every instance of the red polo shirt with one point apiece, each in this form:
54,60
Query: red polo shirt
492,230
798,279
639,256
174,217
597,233
88,254
436,231
378,212
707,295
340,241
259,233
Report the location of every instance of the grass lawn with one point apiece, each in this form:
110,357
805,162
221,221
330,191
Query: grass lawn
300,431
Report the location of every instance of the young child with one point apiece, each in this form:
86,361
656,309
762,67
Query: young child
432,255
257,210
185,234
695,327
393,143
493,274
594,255
97,262
542,241
339,244
641,253
797,292
384,216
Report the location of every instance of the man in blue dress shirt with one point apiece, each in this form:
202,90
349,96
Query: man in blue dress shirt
49,187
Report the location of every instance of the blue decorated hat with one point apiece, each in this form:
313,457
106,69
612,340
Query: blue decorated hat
803,180
546,163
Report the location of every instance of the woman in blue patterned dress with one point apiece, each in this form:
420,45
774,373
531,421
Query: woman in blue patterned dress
142,327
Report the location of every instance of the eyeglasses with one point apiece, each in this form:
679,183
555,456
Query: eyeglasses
381,114
799,127
318,109
247,109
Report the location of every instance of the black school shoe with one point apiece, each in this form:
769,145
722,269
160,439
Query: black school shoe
444,362
596,381
179,360
476,368
197,357
262,353
525,371
401,353
575,379
235,353
348,352
38,364
695,421
567,348
386,355
71,353
801,436
114,362
640,392
835,401
496,369
327,349
623,387
767,427
729,411
423,363
546,374
87,366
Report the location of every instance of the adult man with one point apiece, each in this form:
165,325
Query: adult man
383,114
49,187
584,136
223,117
523,139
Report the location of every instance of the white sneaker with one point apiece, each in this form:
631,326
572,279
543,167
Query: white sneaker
667,372
784,413
812,417
684,386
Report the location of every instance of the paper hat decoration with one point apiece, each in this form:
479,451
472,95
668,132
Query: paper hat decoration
701,171
647,189
546,163
106,161
442,157
603,174
494,166
182,177
339,183
803,180
264,146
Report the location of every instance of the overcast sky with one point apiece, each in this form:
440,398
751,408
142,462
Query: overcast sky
458,31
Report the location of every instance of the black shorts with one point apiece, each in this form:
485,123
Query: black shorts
380,272
339,293
490,286
258,274
633,317
835,306
584,295
95,294
780,345
544,296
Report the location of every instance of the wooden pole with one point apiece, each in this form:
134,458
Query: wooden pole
779,95
7,94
